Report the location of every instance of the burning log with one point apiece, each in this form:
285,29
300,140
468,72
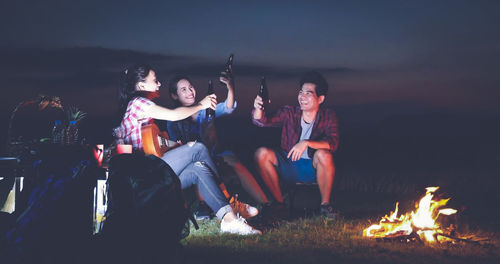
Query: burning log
418,226
401,237
459,239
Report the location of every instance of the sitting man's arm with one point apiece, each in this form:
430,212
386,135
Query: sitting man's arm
318,144
328,140
299,148
260,118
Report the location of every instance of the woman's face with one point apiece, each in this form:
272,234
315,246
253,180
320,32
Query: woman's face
150,83
186,94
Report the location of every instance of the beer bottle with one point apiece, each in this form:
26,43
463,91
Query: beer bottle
210,113
228,72
263,93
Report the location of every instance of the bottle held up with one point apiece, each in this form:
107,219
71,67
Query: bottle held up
210,113
228,69
263,93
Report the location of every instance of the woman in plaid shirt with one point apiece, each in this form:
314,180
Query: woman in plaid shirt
191,162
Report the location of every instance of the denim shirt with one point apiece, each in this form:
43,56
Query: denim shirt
189,130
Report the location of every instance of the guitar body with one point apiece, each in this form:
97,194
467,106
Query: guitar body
154,141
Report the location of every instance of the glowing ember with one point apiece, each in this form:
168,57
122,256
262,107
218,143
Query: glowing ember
421,222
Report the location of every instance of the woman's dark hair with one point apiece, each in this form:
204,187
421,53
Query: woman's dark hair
130,77
172,86
317,79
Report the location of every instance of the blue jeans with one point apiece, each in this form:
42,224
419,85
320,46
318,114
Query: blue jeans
193,165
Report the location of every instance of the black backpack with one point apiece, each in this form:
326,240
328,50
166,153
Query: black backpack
146,212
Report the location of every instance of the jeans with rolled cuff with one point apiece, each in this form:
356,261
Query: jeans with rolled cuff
193,165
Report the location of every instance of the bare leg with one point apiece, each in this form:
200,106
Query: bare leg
325,173
266,160
246,178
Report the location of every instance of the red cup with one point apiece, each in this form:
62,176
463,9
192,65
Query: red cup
99,154
123,148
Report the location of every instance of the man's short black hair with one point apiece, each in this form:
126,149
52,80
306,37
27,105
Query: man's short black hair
317,79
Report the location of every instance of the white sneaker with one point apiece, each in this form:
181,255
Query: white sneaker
238,226
242,209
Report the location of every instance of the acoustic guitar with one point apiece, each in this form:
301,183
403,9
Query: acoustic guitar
156,142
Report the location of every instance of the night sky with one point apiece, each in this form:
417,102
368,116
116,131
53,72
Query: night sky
424,54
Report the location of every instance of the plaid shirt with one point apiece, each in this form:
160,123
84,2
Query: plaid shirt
133,120
288,117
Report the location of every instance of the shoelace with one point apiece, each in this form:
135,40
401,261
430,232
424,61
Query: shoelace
239,206
241,219
234,199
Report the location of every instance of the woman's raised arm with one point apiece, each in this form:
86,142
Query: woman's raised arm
179,113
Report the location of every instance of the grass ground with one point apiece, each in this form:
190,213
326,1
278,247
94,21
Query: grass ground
317,240
313,239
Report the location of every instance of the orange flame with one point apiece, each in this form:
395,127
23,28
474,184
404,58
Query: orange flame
422,221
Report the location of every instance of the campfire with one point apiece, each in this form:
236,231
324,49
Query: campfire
419,225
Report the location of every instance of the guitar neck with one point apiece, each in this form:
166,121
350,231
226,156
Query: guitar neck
163,142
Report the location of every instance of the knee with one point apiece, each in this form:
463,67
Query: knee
263,154
322,158
199,148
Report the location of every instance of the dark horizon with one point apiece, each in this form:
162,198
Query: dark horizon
83,71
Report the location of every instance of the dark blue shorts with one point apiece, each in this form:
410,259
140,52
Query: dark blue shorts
292,172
